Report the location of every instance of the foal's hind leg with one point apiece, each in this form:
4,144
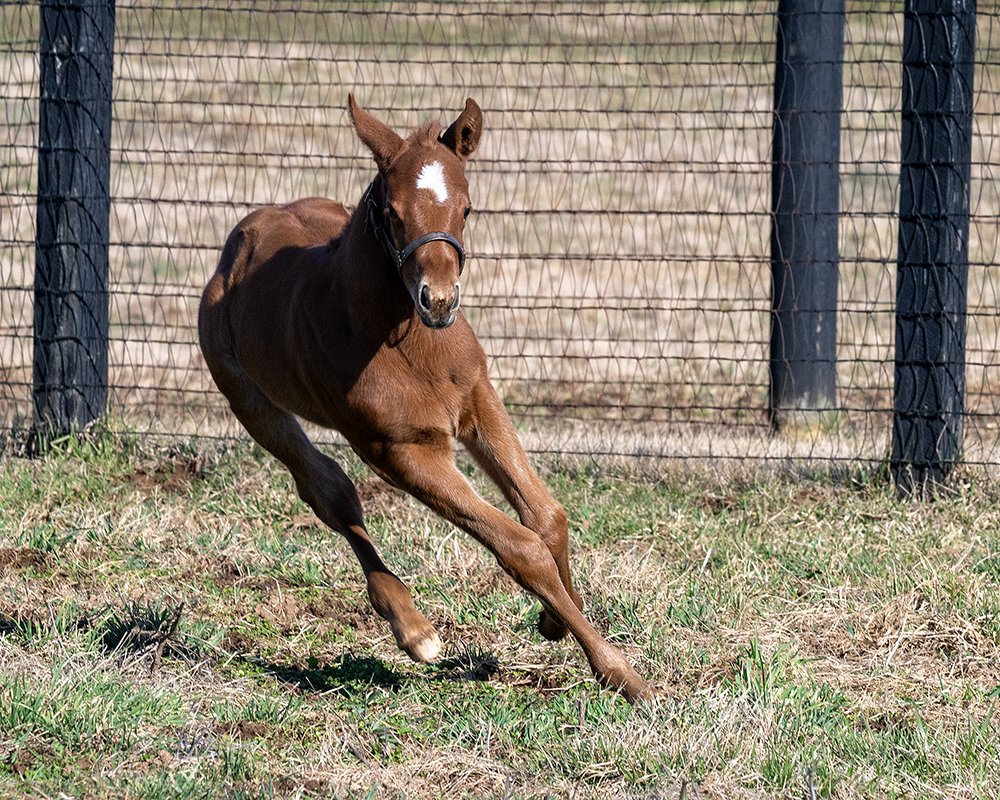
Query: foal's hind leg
323,485
491,439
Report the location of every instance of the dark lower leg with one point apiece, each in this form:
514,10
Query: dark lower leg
331,494
324,486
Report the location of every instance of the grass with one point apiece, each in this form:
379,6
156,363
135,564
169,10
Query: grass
175,623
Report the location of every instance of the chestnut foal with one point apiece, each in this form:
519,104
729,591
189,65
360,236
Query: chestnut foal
351,321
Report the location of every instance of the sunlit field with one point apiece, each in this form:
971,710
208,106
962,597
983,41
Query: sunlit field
175,623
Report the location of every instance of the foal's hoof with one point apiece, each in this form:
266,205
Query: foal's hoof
627,681
424,646
550,627
638,693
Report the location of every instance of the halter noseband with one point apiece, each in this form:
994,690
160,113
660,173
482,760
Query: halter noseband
398,257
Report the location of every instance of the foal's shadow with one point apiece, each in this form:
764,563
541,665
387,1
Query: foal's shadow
10,625
347,674
351,675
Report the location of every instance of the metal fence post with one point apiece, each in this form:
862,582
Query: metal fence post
805,205
933,268
70,366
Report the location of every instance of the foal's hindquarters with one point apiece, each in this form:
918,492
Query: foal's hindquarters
306,317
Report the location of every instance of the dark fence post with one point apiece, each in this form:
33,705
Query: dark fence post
933,270
71,247
805,205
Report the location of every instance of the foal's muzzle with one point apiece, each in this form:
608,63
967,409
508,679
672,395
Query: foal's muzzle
436,305
437,309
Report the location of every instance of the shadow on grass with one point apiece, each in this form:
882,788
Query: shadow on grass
140,630
10,626
132,630
478,667
351,675
347,674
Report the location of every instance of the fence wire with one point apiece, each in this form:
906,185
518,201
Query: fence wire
619,273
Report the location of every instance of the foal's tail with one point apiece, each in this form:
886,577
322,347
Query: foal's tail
237,253
214,333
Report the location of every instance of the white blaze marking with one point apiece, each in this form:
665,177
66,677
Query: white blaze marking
432,177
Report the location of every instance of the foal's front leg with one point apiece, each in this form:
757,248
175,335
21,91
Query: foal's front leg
428,472
491,439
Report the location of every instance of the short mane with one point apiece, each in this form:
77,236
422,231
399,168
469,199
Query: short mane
426,134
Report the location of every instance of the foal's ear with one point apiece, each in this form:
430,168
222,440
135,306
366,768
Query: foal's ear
377,136
463,135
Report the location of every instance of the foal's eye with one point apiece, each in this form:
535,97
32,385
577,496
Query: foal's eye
468,210
391,212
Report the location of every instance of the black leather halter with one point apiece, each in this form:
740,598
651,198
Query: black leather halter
398,257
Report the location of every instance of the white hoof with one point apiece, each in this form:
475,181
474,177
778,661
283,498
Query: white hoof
426,649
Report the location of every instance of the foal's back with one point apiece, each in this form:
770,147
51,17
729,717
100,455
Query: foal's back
259,236
273,268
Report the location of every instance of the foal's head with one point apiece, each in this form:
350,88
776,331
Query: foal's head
424,191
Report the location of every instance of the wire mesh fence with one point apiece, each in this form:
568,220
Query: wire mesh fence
619,273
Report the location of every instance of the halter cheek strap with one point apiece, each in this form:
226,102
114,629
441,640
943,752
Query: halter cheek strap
398,257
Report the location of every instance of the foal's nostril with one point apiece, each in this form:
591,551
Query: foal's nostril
425,297
458,297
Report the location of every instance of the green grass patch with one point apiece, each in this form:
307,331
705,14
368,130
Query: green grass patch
174,622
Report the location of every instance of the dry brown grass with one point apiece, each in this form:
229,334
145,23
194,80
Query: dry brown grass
621,245
801,634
